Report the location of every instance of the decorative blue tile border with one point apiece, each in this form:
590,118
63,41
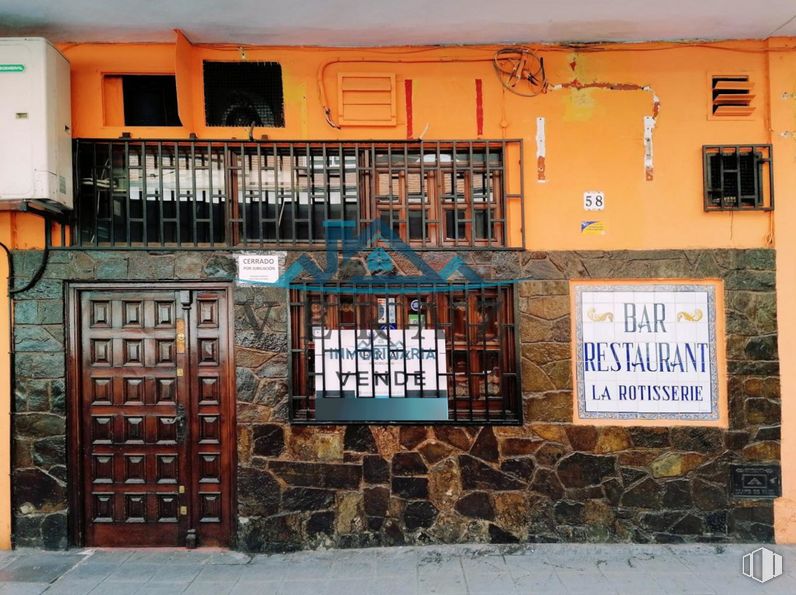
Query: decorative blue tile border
646,288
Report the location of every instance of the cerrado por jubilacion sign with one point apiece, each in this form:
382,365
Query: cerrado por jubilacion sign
646,350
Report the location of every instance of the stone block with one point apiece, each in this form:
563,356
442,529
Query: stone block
553,406
476,505
53,532
375,469
376,500
477,475
762,348
697,439
39,425
569,513
220,267
410,487
321,475
32,394
316,444
708,496
419,514
321,522
762,451
189,265
549,454
408,463
258,493
112,269
649,437
39,365
645,494
38,338
761,411
485,446
359,438
311,499
612,439
434,451
454,436
579,470
35,491
444,484
521,468
268,440
677,493
49,451
672,464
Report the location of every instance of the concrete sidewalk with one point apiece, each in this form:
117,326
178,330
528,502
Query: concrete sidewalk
496,570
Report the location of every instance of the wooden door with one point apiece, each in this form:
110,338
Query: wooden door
152,379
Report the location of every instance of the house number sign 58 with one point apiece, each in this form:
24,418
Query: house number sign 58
593,201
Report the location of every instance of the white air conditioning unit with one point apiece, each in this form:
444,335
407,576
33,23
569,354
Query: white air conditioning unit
35,122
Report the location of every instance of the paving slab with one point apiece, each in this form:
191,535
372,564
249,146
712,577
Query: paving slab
38,567
467,570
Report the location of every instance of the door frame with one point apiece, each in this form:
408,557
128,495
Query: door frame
74,438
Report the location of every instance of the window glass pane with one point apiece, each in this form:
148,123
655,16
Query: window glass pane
455,224
417,231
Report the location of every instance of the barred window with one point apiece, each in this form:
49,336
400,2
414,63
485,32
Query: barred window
204,193
404,353
738,177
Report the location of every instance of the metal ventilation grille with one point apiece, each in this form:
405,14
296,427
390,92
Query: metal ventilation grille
243,94
366,99
731,96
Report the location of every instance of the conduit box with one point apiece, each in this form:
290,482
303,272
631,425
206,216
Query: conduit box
755,481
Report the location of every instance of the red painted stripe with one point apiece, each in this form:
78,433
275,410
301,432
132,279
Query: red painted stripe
408,90
479,107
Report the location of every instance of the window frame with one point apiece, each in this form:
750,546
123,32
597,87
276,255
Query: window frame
279,194
763,164
462,409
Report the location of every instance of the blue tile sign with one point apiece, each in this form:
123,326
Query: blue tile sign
646,350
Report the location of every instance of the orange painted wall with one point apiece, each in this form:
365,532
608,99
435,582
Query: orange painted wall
783,123
594,137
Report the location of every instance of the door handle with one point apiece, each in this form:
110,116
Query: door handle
181,425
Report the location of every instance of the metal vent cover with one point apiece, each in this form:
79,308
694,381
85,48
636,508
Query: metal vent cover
243,94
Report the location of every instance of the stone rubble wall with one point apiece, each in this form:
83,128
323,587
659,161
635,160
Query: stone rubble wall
305,486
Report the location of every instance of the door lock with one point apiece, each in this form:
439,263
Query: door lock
180,336
180,423
183,510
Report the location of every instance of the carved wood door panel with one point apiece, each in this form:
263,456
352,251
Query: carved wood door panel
152,378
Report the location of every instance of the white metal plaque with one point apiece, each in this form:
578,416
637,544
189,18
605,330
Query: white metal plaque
259,267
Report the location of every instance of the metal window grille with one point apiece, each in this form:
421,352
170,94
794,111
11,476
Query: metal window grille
143,193
738,177
480,374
